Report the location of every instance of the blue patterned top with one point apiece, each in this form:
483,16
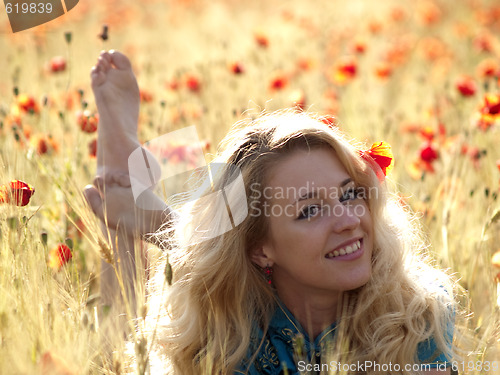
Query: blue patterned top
286,348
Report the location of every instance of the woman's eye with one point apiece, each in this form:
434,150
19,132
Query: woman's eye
309,212
350,194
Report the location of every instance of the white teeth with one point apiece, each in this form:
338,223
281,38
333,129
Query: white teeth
347,250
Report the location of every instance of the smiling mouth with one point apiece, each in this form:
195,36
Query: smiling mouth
345,250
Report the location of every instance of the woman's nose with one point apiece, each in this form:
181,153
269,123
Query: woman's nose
346,217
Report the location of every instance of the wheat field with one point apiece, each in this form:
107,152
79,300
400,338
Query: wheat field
421,75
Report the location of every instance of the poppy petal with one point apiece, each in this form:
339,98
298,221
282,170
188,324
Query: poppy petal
381,154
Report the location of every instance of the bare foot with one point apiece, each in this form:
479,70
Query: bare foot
117,98
112,201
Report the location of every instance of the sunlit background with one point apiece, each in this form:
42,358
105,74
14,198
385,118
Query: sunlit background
421,75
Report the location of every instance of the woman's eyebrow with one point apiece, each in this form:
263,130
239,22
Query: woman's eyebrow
346,181
309,195
313,193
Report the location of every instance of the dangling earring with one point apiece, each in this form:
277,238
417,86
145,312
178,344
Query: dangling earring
268,272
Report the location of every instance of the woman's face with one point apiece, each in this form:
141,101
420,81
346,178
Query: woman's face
321,232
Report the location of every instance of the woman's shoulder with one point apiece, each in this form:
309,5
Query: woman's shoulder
429,351
283,346
271,350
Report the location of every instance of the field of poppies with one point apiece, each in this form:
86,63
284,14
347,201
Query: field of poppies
423,76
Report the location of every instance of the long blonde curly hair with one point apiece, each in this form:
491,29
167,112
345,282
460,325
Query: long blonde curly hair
218,295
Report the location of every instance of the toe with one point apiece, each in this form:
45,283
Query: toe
105,55
96,76
104,63
94,72
119,60
99,183
94,200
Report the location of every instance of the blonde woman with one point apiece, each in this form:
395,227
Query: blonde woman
322,274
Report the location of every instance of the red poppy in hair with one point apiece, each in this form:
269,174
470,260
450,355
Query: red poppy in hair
380,158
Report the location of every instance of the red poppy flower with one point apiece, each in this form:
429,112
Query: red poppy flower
306,64
491,105
344,70
466,86
278,82
173,85
42,147
381,154
427,132
59,256
329,120
383,71
16,192
93,148
146,96
488,68
87,121
359,46
374,26
27,103
428,13
44,144
72,98
489,111
236,68
206,145
484,42
428,153
193,83
57,64
261,39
